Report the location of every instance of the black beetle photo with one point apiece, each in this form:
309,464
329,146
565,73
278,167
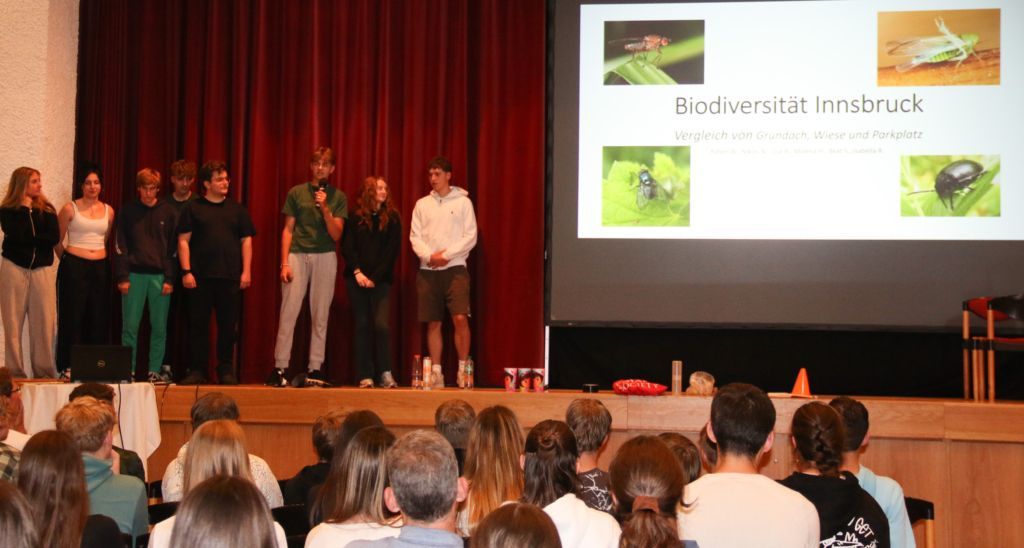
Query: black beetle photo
953,178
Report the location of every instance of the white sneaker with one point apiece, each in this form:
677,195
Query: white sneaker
436,376
366,383
387,380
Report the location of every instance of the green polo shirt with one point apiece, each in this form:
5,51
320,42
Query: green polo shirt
310,235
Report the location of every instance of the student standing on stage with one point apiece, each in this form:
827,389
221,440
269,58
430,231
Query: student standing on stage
183,173
30,227
144,269
83,278
442,233
314,218
215,250
370,247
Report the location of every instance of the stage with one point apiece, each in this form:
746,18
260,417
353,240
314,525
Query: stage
965,457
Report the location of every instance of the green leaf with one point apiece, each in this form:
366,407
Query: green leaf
621,186
917,174
637,72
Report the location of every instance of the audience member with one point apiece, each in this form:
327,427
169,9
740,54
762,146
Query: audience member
83,276
127,461
648,485
9,456
52,478
425,489
27,288
213,406
516,525
326,430
735,505
217,448
91,425
453,420
493,471
708,450
225,511
591,423
549,470
15,409
846,512
686,453
16,519
352,499
355,422
886,491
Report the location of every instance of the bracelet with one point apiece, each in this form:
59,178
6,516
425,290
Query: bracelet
186,271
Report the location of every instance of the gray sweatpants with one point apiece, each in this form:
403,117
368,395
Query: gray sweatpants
318,272
31,293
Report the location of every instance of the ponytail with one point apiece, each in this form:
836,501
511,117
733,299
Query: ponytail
647,528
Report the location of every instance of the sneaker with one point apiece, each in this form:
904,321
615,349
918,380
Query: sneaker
436,376
387,380
65,375
314,378
160,377
366,383
276,378
228,378
193,378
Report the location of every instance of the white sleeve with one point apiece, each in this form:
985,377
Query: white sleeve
419,247
264,478
467,241
171,486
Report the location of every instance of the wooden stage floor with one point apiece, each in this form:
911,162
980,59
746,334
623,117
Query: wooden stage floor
968,458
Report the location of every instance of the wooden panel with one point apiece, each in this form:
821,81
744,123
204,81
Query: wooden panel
986,480
988,422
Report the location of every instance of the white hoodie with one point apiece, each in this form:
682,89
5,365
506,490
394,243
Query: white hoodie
580,526
443,222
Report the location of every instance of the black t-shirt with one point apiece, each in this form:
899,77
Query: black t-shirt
215,247
846,512
101,532
595,489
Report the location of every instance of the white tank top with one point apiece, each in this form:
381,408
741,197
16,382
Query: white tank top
86,233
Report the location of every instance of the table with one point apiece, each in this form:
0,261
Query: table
138,427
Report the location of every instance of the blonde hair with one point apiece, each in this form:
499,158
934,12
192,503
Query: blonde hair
354,489
147,176
16,191
216,448
88,421
492,462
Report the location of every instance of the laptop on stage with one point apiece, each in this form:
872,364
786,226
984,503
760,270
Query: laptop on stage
101,363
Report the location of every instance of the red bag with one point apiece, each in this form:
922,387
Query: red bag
637,387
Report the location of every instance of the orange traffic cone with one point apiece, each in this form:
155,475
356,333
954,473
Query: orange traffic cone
801,388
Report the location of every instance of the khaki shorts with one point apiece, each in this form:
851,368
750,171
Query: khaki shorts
436,289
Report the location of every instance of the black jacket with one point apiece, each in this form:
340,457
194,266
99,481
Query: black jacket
369,249
146,241
29,236
845,511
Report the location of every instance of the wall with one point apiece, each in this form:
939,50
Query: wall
38,83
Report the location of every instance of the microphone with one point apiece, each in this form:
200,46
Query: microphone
323,185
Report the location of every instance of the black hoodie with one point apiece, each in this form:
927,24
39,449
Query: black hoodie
849,516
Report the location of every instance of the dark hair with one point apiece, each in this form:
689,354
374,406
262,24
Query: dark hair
223,511
648,484
6,382
686,453
82,171
102,392
210,169
590,422
453,419
742,416
326,430
353,423
515,525
549,463
213,406
183,168
423,475
355,485
16,519
819,433
708,450
855,419
441,163
51,475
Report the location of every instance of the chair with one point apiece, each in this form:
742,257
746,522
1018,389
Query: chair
154,489
974,386
918,510
161,511
1010,307
294,519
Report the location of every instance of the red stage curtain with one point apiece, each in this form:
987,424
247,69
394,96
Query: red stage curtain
389,84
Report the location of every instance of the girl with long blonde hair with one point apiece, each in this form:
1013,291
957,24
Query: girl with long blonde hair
492,465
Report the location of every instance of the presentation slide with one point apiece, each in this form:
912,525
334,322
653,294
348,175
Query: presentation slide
822,164
800,120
